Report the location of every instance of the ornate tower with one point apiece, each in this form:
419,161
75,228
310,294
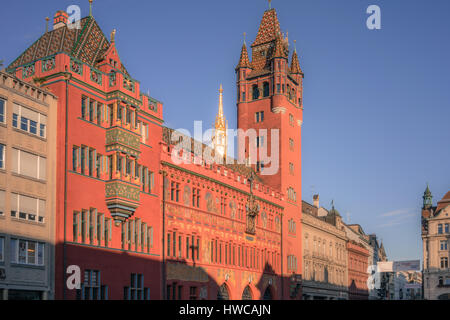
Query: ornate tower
220,129
269,100
427,198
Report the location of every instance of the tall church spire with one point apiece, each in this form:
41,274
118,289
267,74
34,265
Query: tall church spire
220,126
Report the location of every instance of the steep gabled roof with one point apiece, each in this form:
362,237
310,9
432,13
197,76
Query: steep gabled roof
87,44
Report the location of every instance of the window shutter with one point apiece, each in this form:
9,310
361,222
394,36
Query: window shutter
88,223
102,228
110,229
94,222
79,224
139,231
151,237
133,231
145,235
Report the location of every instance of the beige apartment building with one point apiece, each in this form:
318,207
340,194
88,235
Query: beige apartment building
325,272
27,189
436,247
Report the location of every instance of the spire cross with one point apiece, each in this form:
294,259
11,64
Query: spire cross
245,33
270,4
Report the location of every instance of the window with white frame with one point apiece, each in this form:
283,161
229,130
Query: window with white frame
27,252
30,121
28,164
2,156
2,111
27,208
444,245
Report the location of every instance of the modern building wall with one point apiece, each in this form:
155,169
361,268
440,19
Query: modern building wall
28,124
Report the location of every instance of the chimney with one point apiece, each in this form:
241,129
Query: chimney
60,19
316,200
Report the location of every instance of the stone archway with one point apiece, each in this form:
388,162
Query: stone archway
223,293
247,294
268,293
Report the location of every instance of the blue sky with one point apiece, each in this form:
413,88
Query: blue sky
377,103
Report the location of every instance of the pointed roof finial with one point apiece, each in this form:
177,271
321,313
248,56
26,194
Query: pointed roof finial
295,45
113,36
90,7
245,34
270,4
46,24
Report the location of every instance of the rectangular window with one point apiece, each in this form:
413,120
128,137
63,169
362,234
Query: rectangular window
447,228
91,162
444,263
76,226
168,244
27,252
187,247
2,155
440,229
82,160
28,164
30,121
83,107
75,151
151,182
91,110
444,245
15,120
2,111
27,208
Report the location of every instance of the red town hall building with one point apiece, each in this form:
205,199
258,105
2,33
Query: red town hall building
138,224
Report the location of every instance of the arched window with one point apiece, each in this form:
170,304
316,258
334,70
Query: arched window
266,89
222,294
255,92
247,294
268,294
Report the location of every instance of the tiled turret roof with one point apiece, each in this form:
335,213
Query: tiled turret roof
87,44
295,65
268,29
244,62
